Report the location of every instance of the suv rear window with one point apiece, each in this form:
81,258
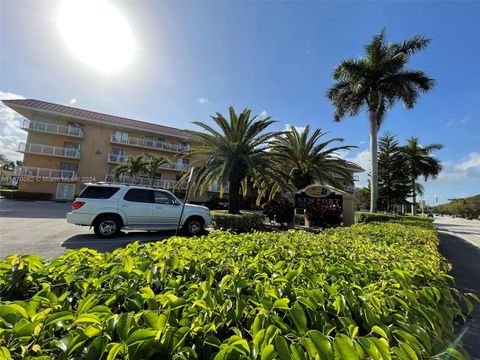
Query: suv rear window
98,192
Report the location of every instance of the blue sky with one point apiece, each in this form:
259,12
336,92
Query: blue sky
192,59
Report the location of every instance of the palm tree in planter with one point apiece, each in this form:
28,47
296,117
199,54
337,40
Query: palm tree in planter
301,158
420,163
133,166
153,165
375,83
230,155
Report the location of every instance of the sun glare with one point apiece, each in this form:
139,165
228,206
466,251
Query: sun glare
97,33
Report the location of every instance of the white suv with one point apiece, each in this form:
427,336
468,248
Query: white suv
109,208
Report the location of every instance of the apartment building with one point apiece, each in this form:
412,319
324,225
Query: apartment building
67,147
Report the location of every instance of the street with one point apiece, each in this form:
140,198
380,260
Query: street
40,228
468,230
460,244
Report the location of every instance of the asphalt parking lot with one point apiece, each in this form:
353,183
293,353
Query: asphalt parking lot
40,228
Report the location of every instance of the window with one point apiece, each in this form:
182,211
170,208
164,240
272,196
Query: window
149,140
161,140
178,177
68,166
164,198
98,192
139,195
120,136
76,129
186,162
119,152
70,145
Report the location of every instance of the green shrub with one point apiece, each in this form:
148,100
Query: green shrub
239,223
365,217
23,195
369,291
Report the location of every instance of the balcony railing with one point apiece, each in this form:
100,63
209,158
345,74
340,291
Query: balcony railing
158,183
120,159
50,128
116,159
48,150
149,144
44,173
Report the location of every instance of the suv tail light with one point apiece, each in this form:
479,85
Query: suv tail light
77,204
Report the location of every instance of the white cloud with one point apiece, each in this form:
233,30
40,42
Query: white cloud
457,122
472,162
362,142
263,114
298,128
72,101
10,132
204,101
362,159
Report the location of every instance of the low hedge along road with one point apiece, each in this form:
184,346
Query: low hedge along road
376,290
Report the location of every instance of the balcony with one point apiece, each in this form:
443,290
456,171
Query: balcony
49,128
149,144
158,183
44,173
121,159
48,150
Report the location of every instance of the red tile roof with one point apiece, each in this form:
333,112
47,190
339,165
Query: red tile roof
92,115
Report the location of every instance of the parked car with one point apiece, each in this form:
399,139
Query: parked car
217,204
110,208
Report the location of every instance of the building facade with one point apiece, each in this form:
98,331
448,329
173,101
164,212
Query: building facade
67,147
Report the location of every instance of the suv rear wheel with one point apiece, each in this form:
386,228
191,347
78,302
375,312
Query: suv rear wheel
107,227
194,226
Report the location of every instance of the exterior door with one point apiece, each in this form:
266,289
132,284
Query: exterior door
137,205
65,192
166,210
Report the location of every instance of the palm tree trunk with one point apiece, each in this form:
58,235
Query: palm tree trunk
414,199
374,162
234,197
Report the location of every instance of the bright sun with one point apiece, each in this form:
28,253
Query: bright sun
97,33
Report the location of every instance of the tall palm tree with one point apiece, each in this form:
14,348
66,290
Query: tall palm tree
301,159
420,163
134,166
231,154
375,83
153,165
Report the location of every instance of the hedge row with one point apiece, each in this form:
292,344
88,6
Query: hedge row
238,223
366,217
22,195
374,291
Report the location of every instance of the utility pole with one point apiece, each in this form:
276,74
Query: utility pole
184,200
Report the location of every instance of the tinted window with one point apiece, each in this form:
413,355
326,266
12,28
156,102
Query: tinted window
164,198
139,195
98,192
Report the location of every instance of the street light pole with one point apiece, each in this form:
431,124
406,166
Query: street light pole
184,200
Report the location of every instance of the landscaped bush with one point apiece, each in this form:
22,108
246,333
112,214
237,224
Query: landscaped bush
365,217
322,216
279,210
239,223
22,195
374,291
